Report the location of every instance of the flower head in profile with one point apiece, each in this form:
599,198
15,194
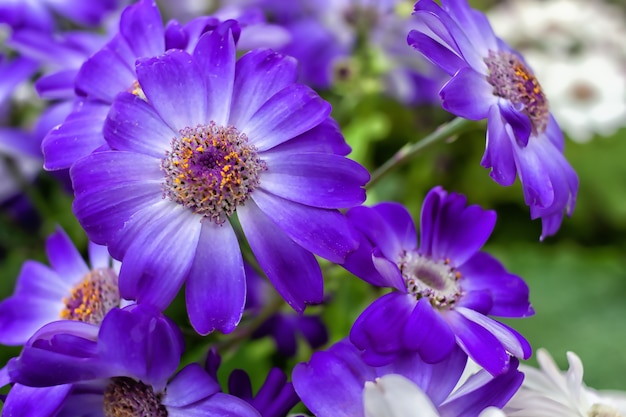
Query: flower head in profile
445,286
68,289
338,383
214,138
125,367
491,81
549,391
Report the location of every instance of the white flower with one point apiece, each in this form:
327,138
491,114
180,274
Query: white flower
577,49
549,392
393,395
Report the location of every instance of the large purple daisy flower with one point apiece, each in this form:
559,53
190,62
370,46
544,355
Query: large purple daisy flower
335,383
68,289
215,137
492,81
445,286
124,367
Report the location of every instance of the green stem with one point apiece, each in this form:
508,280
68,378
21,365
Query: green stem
411,150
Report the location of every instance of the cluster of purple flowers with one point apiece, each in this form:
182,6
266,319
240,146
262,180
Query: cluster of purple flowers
201,158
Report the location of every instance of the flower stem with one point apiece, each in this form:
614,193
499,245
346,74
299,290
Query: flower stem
411,150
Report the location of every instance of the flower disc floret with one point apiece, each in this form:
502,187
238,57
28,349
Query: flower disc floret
92,297
211,170
125,397
512,80
426,278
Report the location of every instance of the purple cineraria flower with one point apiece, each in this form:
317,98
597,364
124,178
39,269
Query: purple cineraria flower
283,327
490,80
275,397
67,289
217,137
40,14
445,286
100,78
339,383
124,367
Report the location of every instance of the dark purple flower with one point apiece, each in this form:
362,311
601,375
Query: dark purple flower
491,81
284,327
214,137
332,383
275,397
126,364
67,289
445,287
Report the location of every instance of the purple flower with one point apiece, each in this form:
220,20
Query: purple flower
215,137
67,289
100,78
445,287
126,364
332,383
284,327
490,80
40,14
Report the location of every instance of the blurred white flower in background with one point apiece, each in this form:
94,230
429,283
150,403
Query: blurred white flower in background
550,392
577,49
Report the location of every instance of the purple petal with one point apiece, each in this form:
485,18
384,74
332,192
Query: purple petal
497,392
391,237
446,28
287,114
534,175
219,404
190,385
451,229
64,257
468,95
110,187
474,24
435,52
215,54
360,263
319,180
328,387
508,291
326,233
392,276
24,401
133,125
282,259
142,27
259,75
514,343
98,256
400,223
381,326
174,85
519,122
78,136
427,332
108,72
482,346
140,342
21,317
499,151
160,244
39,281
216,285
323,138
